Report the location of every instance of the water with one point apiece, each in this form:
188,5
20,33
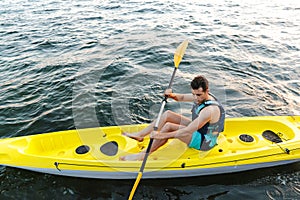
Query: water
77,64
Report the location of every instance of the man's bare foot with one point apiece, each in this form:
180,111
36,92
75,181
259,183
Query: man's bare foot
133,157
133,136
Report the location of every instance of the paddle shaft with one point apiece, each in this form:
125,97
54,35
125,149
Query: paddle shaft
157,122
151,139
177,59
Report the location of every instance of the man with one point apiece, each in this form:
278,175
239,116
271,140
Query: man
200,133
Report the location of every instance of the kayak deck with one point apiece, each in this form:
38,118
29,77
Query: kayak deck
95,152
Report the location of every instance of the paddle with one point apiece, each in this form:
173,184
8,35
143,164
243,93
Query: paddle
177,59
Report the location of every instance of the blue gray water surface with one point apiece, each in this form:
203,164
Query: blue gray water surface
77,64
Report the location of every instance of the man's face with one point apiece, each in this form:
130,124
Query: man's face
199,95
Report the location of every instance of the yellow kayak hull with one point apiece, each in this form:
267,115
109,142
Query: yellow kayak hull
95,152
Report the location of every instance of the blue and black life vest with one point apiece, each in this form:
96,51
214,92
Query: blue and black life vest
208,127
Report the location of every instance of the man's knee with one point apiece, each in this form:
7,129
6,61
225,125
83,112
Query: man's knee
168,113
168,126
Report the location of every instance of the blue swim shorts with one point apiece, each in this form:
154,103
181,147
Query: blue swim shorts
209,141
196,140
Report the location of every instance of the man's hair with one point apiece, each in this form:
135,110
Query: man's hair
199,81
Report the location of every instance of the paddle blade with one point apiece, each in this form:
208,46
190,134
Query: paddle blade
180,52
136,183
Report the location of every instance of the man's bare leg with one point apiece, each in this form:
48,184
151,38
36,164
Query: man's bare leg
156,143
168,116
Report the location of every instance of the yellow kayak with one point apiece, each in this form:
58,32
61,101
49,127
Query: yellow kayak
247,143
